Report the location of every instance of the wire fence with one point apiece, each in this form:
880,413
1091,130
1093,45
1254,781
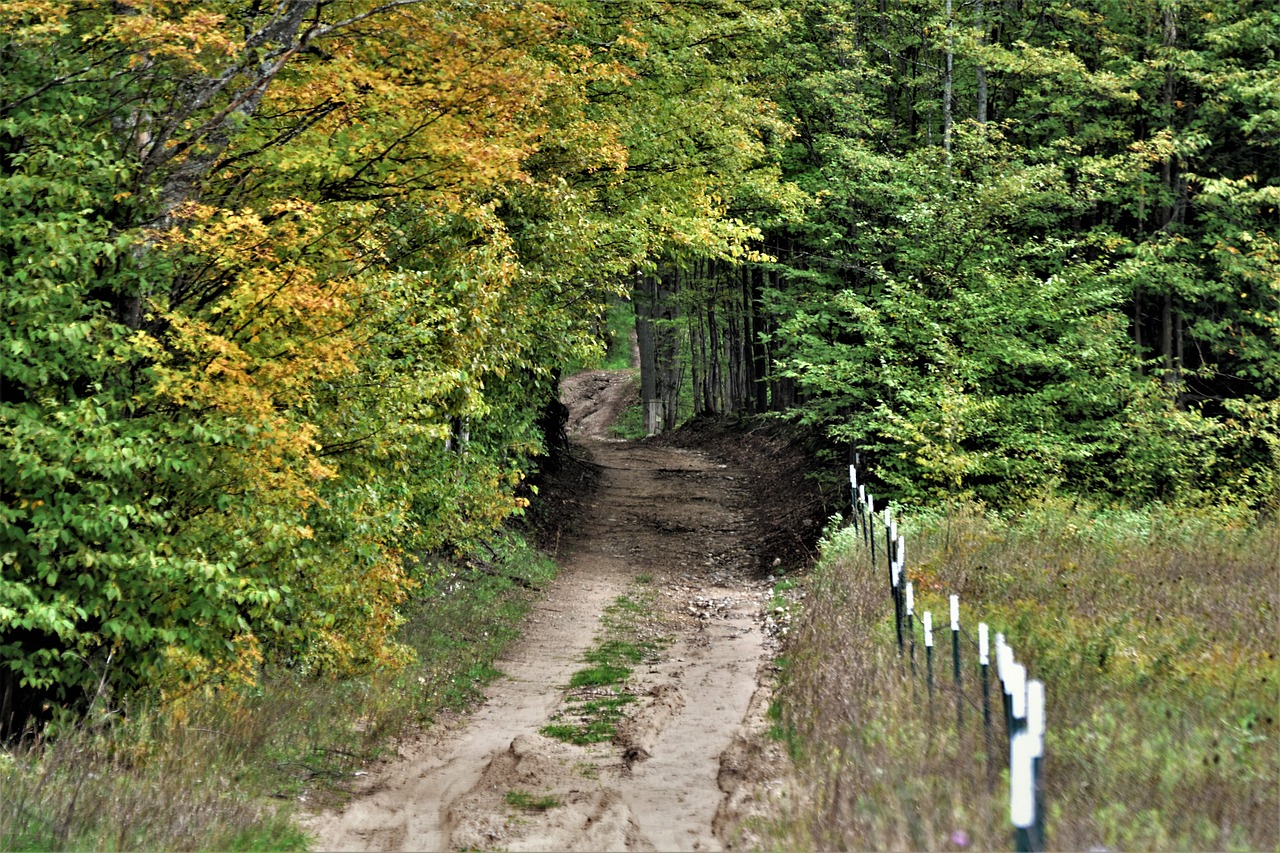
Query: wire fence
1016,716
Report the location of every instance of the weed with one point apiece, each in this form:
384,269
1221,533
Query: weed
519,799
600,676
599,694
220,766
1154,634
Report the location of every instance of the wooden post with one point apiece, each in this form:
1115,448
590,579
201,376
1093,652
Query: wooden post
871,504
890,540
900,574
862,514
853,490
1004,659
898,603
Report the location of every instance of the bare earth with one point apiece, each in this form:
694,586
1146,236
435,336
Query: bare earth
690,767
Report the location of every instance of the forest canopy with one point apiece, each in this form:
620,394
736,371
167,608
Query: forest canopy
286,287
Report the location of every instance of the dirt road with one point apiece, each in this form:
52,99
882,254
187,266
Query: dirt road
684,770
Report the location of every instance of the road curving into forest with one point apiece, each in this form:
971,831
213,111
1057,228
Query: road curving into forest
689,765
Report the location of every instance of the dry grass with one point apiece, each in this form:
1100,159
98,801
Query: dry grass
1156,637
225,769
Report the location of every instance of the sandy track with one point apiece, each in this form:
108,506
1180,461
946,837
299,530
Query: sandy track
674,516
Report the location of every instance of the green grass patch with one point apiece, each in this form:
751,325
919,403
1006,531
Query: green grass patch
629,424
526,801
600,676
598,695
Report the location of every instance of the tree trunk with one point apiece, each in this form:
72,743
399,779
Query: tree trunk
645,298
759,350
946,87
980,22
667,348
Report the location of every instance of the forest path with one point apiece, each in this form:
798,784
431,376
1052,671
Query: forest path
665,524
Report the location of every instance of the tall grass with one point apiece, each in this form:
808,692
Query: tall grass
226,769
1156,636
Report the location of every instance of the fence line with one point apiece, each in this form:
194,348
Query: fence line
1022,698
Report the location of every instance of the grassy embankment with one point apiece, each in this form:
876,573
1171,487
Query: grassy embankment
227,768
1156,636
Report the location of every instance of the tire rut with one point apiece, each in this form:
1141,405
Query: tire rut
677,517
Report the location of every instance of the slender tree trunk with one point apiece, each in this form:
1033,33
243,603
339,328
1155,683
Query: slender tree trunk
695,361
668,347
645,298
1137,330
1170,213
946,86
980,22
759,349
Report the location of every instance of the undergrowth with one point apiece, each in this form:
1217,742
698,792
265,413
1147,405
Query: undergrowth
1155,634
226,768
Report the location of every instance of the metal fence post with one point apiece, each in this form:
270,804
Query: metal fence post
911,625
928,654
984,664
1022,803
955,659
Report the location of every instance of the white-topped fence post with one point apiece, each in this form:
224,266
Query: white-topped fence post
955,659
1022,797
1036,731
928,654
911,626
984,666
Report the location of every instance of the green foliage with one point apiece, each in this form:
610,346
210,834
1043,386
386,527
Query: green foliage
1074,291
966,359
217,767
285,298
99,575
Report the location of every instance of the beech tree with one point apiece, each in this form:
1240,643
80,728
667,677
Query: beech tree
285,289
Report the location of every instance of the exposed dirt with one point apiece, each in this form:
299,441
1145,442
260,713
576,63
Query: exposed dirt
705,518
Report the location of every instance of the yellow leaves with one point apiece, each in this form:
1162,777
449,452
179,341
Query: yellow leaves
194,39
33,20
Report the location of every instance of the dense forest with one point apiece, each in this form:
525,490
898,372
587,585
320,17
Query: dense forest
286,287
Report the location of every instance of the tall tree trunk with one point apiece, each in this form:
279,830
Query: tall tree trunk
980,21
667,349
1137,330
645,298
1171,213
696,373
759,349
946,86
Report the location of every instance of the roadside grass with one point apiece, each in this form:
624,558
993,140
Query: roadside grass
228,766
598,695
1155,633
629,424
